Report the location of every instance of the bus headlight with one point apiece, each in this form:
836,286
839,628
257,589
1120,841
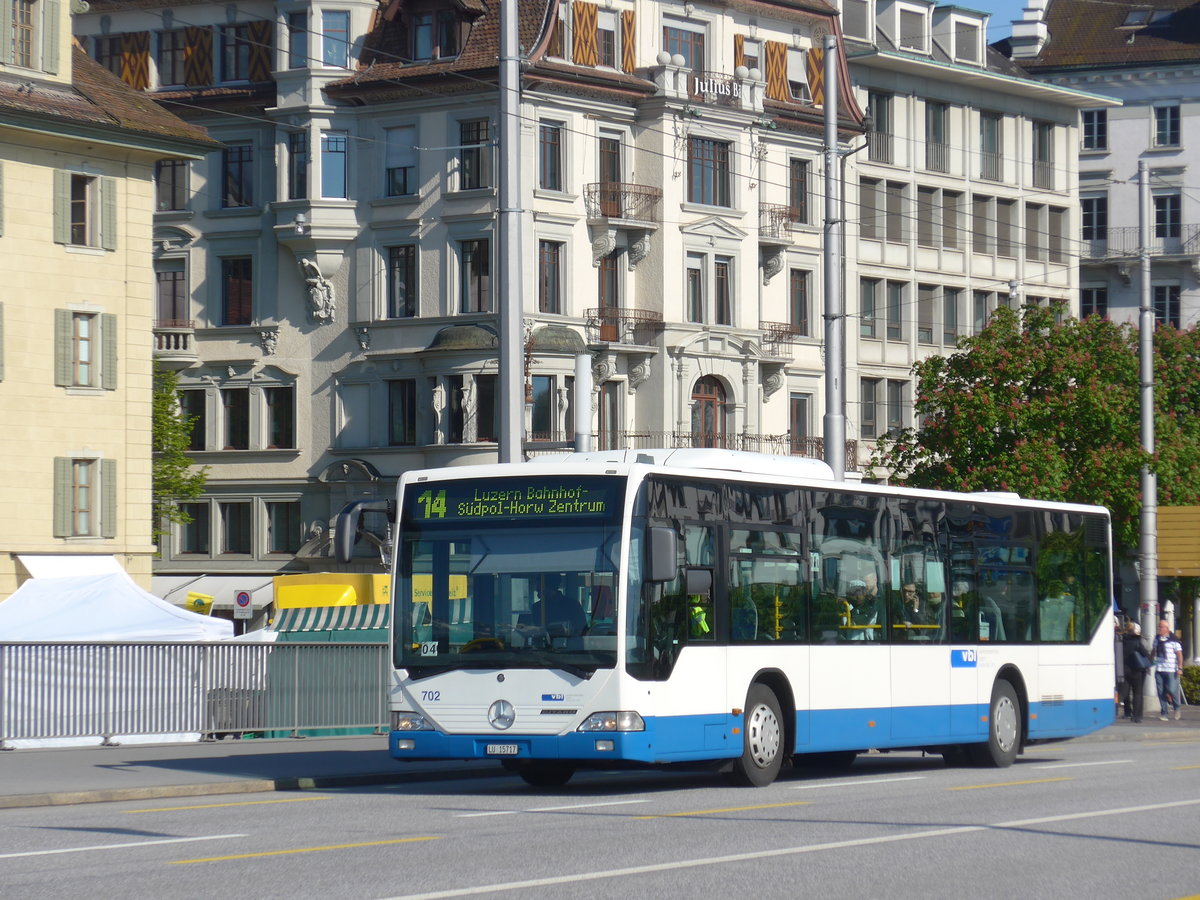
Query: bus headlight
621,720
409,721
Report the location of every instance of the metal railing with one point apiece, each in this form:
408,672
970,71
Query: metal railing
617,200
625,326
1125,241
775,220
879,146
107,690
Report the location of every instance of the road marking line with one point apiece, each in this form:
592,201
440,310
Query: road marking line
709,812
219,805
977,787
827,784
129,846
1107,762
1181,768
514,812
184,862
769,854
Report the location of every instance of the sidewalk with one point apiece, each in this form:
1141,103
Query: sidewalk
59,777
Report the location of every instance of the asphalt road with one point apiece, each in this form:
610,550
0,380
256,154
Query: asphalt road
1117,818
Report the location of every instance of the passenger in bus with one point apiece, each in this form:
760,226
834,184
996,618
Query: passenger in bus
862,613
914,608
554,611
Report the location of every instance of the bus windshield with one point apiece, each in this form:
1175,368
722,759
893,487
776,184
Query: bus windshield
508,572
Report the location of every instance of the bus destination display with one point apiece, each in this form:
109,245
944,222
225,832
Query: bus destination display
512,499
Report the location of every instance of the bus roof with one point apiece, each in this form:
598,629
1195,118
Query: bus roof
699,460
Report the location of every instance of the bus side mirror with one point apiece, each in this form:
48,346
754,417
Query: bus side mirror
347,527
662,554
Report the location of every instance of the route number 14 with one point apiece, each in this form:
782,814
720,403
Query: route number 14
434,504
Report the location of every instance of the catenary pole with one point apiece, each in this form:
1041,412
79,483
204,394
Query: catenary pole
509,296
1148,574
835,320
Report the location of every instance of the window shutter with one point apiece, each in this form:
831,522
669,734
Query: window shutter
260,50
198,56
776,56
50,36
739,50
62,347
6,36
108,213
62,496
108,498
62,207
628,41
816,75
108,360
585,51
135,59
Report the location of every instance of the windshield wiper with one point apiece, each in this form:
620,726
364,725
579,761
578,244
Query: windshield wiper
429,671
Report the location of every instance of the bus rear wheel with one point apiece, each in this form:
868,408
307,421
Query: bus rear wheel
1004,730
762,739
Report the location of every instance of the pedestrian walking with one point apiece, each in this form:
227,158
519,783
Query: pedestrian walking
1136,659
1168,666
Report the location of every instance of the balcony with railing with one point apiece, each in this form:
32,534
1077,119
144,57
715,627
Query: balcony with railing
937,157
779,336
879,146
1043,175
612,325
175,343
1126,243
775,222
989,165
617,202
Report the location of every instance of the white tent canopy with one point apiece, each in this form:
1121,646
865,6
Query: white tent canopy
100,607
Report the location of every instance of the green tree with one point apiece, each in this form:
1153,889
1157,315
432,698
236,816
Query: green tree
175,478
1050,410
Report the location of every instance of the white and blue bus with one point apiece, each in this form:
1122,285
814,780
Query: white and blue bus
657,607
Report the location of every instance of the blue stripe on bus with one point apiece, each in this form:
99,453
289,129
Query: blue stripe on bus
712,737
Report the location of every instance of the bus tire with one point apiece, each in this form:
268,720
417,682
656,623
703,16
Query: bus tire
546,775
762,739
1004,730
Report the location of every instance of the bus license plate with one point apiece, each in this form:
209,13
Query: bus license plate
501,749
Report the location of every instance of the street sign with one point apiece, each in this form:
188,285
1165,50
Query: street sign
241,605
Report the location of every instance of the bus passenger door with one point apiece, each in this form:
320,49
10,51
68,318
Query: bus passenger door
691,710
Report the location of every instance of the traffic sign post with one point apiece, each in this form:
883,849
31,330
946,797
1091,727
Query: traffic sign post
241,605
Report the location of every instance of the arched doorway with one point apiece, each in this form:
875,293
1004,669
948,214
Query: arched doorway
709,417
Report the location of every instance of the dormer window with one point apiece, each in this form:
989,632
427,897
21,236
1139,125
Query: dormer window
912,31
856,19
432,34
966,42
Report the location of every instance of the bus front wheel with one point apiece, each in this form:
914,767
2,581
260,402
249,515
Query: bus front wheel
1004,730
762,739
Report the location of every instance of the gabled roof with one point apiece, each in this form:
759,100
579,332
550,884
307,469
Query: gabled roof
1086,34
96,99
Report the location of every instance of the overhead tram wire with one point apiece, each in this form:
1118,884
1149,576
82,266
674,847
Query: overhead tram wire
965,231
531,120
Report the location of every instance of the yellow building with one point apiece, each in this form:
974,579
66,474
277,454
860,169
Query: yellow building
78,151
